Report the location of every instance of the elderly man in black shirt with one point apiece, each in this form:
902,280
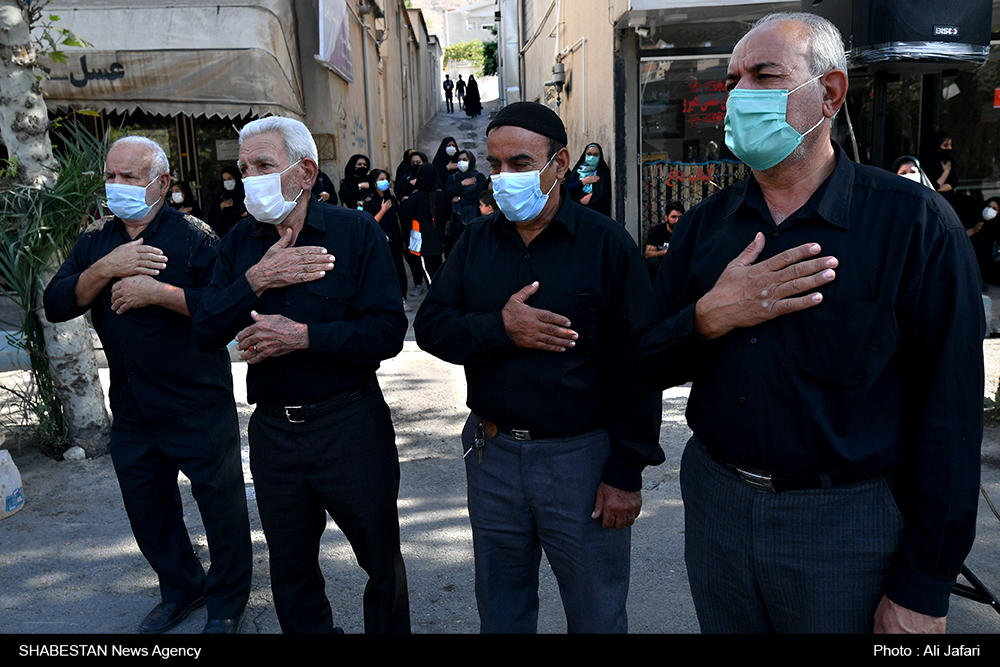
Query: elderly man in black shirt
560,431
836,367
140,273
309,291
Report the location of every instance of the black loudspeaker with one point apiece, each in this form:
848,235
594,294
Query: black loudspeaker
910,36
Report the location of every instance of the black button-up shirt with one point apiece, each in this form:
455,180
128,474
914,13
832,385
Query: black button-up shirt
589,271
156,370
885,374
354,313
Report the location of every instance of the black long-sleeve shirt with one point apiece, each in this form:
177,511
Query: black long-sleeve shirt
354,313
589,271
156,370
885,374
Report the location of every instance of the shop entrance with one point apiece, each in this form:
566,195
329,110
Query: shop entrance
682,135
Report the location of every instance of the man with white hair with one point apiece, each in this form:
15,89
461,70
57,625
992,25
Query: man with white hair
309,292
836,367
141,272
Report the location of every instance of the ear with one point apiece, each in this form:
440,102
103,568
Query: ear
834,85
163,183
310,172
562,162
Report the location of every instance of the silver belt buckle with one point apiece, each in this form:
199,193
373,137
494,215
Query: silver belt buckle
756,480
520,434
289,416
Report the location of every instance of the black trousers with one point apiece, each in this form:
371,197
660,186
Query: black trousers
205,446
344,463
416,267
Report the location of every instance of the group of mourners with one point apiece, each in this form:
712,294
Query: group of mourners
936,169
422,208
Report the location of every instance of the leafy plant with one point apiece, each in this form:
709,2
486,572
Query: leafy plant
39,226
471,51
49,38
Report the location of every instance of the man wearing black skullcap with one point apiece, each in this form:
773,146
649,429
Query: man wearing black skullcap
536,301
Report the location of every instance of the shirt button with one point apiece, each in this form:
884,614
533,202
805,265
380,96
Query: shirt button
753,341
775,232
743,401
527,255
287,303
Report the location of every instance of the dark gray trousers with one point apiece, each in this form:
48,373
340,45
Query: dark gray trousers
526,496
812,561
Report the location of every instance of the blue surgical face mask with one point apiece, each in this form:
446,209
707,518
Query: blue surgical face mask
382,185
592,161
757,130
519,193
128,202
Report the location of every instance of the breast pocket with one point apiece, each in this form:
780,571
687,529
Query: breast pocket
584,313
843,343
335,294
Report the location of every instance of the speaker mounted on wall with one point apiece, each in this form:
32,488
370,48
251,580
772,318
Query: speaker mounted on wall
910,36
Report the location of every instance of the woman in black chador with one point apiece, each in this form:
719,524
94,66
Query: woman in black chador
228,208
354,188
589,183
473,107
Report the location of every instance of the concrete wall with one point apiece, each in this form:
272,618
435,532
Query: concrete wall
401,73
580,35
426,71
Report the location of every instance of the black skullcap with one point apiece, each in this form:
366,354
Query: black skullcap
532,116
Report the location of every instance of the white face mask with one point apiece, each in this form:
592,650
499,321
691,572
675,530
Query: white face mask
913,176
451,150
989,213
463,166
229,184
264,199
177,197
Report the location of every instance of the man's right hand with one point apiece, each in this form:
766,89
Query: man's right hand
747,294
536,328
132,259
653,251
282,266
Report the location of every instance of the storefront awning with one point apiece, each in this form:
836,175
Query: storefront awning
224,58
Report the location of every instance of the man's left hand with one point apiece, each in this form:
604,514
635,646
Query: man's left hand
619,508
136,291
892,619
271,336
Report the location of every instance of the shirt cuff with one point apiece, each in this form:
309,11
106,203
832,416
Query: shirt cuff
621,473
920,593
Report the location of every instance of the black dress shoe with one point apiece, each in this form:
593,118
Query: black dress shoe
165,616
224,626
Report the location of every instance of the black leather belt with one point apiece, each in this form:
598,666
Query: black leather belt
299,414
522,433
777,482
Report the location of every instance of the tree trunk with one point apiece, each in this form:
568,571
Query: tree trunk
24,120
24,129
73,367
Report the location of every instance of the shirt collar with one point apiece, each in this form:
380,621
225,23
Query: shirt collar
314,219
150,229
566,215
831,201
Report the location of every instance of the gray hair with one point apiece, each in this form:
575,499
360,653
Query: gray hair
826,47
299,143
158,164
